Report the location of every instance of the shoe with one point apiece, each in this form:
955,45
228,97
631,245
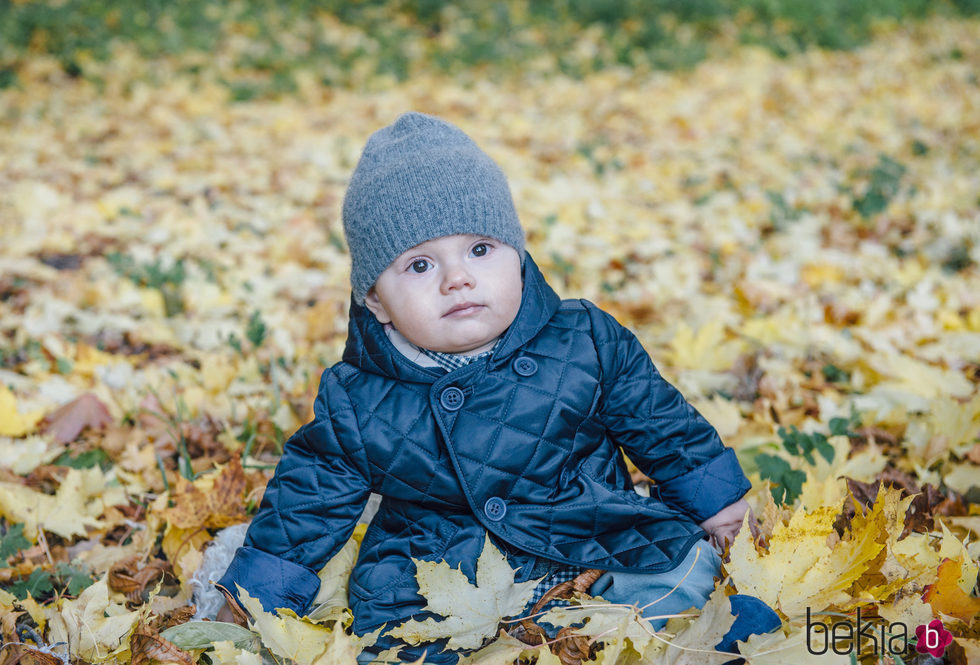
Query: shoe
752,617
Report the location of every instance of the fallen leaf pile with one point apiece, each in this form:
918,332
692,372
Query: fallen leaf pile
796,242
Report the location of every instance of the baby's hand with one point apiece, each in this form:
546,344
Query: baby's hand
724,525
231,611
226,614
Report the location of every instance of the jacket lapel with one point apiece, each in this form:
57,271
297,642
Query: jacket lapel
539,303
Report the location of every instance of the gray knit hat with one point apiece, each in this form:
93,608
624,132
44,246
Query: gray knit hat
418,179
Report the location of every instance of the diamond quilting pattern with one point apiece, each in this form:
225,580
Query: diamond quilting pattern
514,436
547,445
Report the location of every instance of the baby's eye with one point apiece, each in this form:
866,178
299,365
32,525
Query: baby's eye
420,265
480,249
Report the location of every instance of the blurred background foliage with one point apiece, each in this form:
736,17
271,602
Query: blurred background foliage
259,46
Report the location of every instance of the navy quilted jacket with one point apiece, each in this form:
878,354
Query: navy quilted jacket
523,444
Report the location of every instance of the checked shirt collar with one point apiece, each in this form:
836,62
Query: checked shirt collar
452,361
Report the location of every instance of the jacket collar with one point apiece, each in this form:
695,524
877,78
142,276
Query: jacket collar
369,349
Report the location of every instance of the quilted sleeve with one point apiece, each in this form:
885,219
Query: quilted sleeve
658,429
309,509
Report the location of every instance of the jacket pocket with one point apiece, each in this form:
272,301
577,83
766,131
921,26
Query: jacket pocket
588,441
390,544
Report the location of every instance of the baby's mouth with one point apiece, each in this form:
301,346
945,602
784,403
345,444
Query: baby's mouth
462,309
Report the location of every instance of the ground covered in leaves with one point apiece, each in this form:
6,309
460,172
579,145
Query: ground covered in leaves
796,242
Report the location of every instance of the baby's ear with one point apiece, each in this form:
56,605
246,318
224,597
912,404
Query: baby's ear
373,303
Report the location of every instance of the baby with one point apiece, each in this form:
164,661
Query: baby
474,400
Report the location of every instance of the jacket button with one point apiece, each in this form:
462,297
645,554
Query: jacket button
495,508
525,366
451,398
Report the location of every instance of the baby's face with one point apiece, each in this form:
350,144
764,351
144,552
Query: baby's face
454,294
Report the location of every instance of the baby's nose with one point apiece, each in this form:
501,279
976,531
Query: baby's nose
456,277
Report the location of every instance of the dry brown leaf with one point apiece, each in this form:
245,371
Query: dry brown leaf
964,651
132,578
15,653
177,617
148,647
121,577
213,501
67,422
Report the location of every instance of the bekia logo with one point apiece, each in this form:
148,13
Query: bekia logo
932,638
880,637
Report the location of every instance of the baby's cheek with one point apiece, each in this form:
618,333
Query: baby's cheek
514,308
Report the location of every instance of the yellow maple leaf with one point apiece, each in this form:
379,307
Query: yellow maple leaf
909,610
793,549
705,349
505,650
825,485
177,543
12,422
947,427
226,653
330,602
693,640
35,610
88,358
820,274
24,455
961,477
544,656
821,491
217,372
952,547
286,635
605,621
915,558
472,613
913,562
299,639
95,627
828,581
341,648
891,571
800,570
779,648
947,597
783,328
906,374
723,414
883,522
81,498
